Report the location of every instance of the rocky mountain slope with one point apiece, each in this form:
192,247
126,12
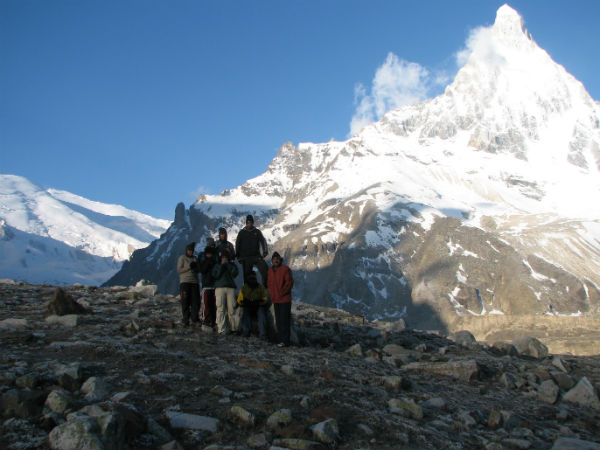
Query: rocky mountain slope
52,236
479,202
123,375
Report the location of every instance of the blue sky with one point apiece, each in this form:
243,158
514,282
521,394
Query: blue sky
147,103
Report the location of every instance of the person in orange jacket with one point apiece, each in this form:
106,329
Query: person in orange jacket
279,283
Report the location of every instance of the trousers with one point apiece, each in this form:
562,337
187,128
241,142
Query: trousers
283,319
190,302
228,316
209,306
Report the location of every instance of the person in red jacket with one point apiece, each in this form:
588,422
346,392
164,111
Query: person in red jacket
279,284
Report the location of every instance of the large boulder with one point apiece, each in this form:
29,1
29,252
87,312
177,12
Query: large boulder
77,433
62,304
583,394
530,346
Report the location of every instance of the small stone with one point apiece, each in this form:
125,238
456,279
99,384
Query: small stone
326,431
68,320
520,444
531,346
355,350
287,369
422,348
192,421
73,370
467,419
280,419
495,420
221,391
583,394
395,383
562,415
563,380
434,403
464,338
121,396
172,445
21,403
81,432
394,350
548,392
567,443
59,401
257,441
296,444
243,415
406,408
95,389
29,380
158,431
463,370
14,324
504,348
559,364
507,380
365,429
146,290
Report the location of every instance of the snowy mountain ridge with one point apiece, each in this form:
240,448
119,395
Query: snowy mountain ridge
478,201
54,236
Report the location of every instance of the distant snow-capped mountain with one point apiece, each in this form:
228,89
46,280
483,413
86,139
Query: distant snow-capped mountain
480,201
52,236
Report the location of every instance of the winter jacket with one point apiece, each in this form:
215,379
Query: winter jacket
205,267
186,273
249,296
250,243
225,274
222,245
280,282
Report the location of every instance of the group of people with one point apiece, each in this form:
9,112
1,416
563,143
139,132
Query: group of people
218,270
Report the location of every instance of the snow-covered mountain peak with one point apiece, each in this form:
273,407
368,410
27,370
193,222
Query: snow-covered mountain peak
509,26
47,235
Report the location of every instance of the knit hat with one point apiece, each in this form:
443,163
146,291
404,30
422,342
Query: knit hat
191,246
223,231
210,242
249,218
276,255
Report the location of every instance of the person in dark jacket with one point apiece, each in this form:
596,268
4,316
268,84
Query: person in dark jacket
280,282
254,300
251,249
225,272
189,290
223,243
206,262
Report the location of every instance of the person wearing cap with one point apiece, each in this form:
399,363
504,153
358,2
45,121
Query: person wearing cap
254,301
189,289
280,282
206,261
223,243
224,273
251,250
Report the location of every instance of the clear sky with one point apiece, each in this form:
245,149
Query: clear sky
146,103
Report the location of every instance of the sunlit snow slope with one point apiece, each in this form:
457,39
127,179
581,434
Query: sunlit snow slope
51,236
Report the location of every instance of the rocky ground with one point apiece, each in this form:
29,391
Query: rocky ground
122,374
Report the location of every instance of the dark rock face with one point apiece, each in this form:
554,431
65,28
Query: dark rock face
131,378
428,277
